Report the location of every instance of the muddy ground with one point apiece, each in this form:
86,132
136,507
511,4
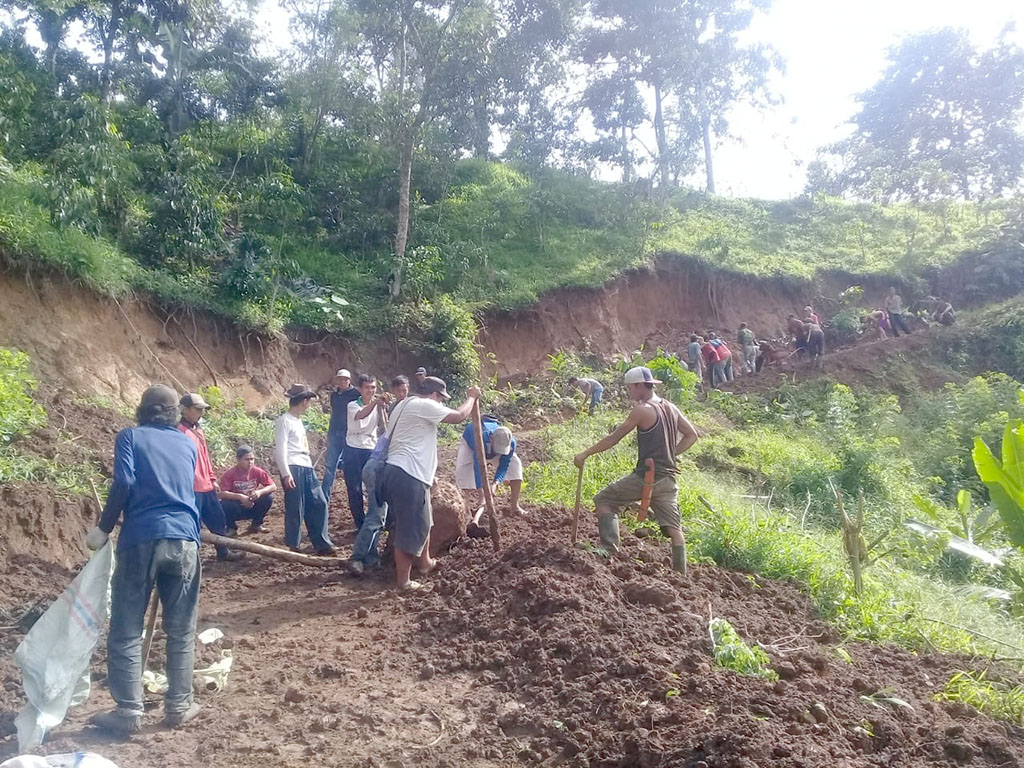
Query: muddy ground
538,655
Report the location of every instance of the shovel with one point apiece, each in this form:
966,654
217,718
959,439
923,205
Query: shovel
576,514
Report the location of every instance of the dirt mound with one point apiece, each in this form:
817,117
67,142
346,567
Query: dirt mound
38,523
449,516
609,664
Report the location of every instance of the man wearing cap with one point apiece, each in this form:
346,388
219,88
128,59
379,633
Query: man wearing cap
500,450
154,474
410,466
303,495
419,376
193,408
662,433
246,492
342,393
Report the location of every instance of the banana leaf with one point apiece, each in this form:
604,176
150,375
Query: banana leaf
1002,480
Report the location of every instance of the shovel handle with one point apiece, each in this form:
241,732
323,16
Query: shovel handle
645,495
576,514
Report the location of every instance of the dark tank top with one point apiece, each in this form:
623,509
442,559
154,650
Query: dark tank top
659,441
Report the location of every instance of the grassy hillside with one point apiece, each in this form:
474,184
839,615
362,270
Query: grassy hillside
493,237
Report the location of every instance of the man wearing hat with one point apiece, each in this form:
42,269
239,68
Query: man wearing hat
303,495
410,466
419,376
662,433
246,492
154,475
500,450
193,408
342,393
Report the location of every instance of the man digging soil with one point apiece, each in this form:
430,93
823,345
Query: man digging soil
662,433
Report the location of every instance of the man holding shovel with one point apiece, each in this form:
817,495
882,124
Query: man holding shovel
662,433
154,471
501,456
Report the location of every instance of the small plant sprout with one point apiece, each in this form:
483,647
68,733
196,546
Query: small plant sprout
732,653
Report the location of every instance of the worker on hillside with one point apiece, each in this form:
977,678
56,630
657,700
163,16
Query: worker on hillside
724,355
399,391
419,376
748,345
506,466
591,388
342,393
303,495
808,312
662,433
246,492
154,476
364,414
193,408
894,306
876,319
714,363
410,466
942,312
696,360
815,342
799,332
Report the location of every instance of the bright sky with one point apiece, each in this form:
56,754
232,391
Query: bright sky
834,49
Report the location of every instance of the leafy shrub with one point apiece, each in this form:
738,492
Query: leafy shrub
19,413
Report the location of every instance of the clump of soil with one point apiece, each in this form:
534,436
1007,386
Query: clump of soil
609,664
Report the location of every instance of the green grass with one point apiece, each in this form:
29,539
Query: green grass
996,699
900,603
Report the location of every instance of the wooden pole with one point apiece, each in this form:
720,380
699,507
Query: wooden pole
272,552
481,457
147,638
579,498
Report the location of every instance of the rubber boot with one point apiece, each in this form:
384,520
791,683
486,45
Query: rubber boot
608,528
679,559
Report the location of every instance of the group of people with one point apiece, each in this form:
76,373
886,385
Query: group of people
164,487
891,317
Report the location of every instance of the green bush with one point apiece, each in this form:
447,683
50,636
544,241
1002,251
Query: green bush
19,413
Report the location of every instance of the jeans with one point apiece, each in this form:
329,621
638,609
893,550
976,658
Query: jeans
355,459
728,368
212,514
234,511
172,565
750,358
898,324
305,501
335,455
717,373
596,394
364,548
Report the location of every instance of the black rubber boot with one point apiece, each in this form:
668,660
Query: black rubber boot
679,559
608,528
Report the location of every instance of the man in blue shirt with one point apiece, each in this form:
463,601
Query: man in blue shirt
500,450
154,474
342,394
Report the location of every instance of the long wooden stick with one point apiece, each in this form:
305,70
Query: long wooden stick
481,458
272,552
147,638
576,513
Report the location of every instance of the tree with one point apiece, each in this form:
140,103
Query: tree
942,122
687,57
446,63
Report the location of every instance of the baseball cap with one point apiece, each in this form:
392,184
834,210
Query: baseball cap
299,390
433,384
641,374
501,441
343,373
159,395
193,400
422,370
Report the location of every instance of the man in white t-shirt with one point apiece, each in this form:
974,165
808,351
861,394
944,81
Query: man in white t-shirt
410,468
303,495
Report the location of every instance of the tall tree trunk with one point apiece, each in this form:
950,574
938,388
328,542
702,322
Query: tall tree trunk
661,136
107,73
627,158
404,190
709,168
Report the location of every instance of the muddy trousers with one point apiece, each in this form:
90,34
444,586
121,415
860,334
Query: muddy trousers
364,549
333,458
234,511
353,462
172,566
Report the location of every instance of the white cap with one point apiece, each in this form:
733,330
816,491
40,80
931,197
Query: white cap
501,441
641,375
343,373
